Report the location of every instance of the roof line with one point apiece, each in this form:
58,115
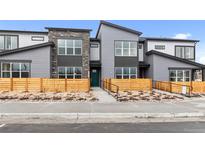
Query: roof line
175,58
167,39
118,27
24,31
6,52
69,29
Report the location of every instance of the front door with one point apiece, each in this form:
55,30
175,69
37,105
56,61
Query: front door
95,80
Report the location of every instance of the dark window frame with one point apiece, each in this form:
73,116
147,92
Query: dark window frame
184,50
4,35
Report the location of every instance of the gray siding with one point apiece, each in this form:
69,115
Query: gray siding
69,60
159,67
149,71
108,35
25,38
40,60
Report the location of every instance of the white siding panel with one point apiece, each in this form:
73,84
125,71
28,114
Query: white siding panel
169,46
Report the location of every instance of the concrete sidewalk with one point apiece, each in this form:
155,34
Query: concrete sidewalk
191,108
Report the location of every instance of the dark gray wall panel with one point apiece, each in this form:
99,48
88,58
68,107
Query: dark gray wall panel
70,61
126,61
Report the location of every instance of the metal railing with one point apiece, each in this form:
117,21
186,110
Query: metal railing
107,86
171,87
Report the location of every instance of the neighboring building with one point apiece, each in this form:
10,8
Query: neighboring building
115,52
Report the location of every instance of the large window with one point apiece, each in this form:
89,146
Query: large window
180,75
70,72
125,48
69,47
185,52
15,70
125,72
8,42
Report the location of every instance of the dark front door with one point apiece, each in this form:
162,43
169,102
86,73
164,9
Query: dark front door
95,78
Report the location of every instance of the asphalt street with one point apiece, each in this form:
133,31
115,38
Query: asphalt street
162,127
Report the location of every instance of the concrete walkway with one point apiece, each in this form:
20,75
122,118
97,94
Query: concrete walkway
191,108
103,95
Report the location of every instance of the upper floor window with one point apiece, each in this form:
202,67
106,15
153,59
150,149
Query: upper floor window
69,47
8,42
159,47
93,45
37,38
125,48
186,52
15,70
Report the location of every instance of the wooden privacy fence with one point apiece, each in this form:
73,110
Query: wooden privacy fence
44,84
128,84
177,87
173,87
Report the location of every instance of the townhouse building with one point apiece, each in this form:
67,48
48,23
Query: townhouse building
115,52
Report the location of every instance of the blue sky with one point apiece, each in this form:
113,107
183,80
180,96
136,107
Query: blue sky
191,29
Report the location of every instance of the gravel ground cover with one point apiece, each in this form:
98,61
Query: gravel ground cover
47,97
153,96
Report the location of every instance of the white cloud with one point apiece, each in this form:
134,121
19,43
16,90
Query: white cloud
182,36
202,60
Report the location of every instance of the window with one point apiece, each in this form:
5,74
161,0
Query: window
94,45
125,48
70,72
69,47
15,70
180,75
2,42
159,47
37,38
140,46
8,42
185,52
125,72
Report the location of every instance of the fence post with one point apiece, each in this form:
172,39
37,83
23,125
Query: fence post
150,84
191,88
66,88
170,88
26,86
41,84
11,84
109,84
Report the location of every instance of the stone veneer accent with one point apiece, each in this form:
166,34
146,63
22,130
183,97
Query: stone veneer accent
54,35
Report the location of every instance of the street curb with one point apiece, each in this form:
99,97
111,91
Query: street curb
104,115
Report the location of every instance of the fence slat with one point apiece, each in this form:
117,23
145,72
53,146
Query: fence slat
44,84
129,84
